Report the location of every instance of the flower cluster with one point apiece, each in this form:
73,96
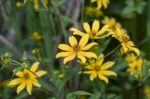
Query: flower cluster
83,50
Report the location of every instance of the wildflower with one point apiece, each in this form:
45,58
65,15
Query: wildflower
92,11
36,3
100,70
147,91
94,32
27,78
130,57
135,66
126,43
101,3
37,36
76,49
19,4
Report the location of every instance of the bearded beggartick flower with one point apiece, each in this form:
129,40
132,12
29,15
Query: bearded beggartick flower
126,43
37,36
135,66
27,78
113,24
100,70
130,57
101,3
76,49
95,32
36,3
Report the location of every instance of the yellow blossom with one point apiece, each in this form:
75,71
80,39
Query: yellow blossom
36,3
95,32
37,36
76,49
27,78
130,57
147,92
92,11
100,69
126,43
101,3
135,66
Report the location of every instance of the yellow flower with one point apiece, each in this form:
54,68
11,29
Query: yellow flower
147,92
130,57
126,43
36,3
101,3
19,4
113,24
76,49
37,36
92,11
100,70
27,78
94,32
135,66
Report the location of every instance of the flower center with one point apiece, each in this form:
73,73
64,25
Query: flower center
125,38
76,48
26,76
97,68
94,33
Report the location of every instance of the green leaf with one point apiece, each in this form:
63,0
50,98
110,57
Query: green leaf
96,95
72,95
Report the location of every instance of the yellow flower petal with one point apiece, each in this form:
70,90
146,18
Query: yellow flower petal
107,65
40,73
100,59
65,47
95,26
77,32
63,54
69,58
34,66
93,75
29,87
21,87
137,51
36,83
72,41
19,74
108,73
83,59
88,54
103,30
15,82
102,77
91,66
87,47
84,40
86,27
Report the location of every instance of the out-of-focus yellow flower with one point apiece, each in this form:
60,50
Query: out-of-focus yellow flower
113,24
76,49
135,66
101,3
100,70
19,4
27,78
130,57
36,3
126,43
92,11
147,91
37,36
94,32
